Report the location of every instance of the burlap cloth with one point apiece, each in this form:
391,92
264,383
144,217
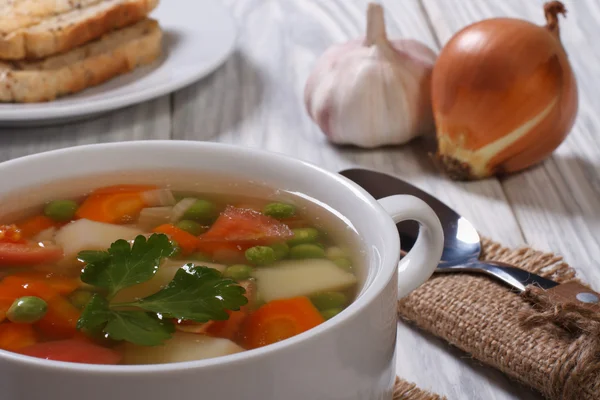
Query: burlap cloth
551,349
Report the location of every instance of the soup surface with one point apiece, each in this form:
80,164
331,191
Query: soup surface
145,274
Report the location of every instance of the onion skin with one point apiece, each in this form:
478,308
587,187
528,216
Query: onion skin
504,96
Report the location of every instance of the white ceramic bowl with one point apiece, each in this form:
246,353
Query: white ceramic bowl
349,357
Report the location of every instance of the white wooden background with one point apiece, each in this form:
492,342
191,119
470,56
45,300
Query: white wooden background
255,99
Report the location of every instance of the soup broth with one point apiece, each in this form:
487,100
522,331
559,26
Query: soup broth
168,271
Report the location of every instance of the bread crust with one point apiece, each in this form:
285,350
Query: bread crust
116,53
44,35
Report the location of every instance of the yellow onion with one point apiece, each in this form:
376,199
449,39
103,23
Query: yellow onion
504,96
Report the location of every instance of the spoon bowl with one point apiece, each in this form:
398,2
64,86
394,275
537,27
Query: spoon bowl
462,244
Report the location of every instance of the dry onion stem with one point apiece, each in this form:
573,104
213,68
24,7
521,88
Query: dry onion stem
504,96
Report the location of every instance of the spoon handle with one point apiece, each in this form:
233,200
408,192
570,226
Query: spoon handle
515,277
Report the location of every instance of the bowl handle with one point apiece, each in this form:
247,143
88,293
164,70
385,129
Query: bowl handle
420,262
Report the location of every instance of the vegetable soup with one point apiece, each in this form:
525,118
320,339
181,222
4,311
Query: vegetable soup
148,274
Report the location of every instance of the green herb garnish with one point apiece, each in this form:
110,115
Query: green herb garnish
196,293
124,265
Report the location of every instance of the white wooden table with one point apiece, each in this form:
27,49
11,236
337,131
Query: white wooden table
255,99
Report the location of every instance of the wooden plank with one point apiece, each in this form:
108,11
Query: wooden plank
558,202
256,100
150,120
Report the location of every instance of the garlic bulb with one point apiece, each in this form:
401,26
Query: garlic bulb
372,92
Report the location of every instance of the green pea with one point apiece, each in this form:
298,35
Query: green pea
306,251
304,235
27,310
61,210
239,272
343,263
332,312
80,298
198,256
328,300
201,210
279,210
261,255
281,250
190,227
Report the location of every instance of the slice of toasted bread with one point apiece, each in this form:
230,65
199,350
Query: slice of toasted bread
18,14
116,53
33,29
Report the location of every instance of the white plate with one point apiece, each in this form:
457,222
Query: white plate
199,35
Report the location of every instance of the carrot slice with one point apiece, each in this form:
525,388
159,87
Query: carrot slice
279,320
36,224
61,318
12,287
60,321
14,337
73,350
124,189
114,204
186,241
62,284
12,254
111,208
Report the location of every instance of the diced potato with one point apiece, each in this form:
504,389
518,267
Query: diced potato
84,234
151,217
159,198
47,235
293,278
163,276
181,347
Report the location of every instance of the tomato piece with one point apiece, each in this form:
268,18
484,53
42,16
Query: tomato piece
13,254
243,224
244,228
10,234
73,350
229,328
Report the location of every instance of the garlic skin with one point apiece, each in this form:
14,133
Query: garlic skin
372,92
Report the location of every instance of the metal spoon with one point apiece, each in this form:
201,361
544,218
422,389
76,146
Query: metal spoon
462,246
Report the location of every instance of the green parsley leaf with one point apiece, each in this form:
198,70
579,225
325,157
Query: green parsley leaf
95,315
198,294
124,265
141,328
138,327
